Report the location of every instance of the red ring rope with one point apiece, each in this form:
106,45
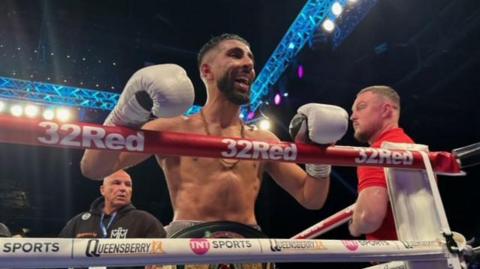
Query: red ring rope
94,136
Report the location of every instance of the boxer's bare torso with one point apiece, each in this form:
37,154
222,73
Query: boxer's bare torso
211,189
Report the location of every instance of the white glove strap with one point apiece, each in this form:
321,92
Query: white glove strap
318,171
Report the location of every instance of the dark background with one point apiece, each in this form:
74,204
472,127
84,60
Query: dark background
427,50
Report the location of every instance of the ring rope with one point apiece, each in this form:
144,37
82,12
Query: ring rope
390,265
61,252
445,228
94,136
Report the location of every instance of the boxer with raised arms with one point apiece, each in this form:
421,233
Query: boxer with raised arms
207,189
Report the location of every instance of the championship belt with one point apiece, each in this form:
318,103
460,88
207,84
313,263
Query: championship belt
221,229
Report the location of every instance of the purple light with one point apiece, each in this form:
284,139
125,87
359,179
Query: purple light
250,115
300,71
277,99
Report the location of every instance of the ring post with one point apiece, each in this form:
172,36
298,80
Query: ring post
417,207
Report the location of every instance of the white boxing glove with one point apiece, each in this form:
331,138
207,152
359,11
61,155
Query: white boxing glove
321,124
163,90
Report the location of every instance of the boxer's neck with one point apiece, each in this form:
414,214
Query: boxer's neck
225,115
207,126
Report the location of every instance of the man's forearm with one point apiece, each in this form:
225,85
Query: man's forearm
315,192
354,229
361,224
97,164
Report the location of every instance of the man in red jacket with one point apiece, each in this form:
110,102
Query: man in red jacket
375,116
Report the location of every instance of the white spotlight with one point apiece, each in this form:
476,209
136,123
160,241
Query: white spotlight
31,111
48,114
264,124
352,1
2,106
16,110
63,114
337,9
328,25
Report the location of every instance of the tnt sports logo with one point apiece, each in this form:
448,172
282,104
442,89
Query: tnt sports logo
350,244
31,247
97,249
237,244
199,246
373,243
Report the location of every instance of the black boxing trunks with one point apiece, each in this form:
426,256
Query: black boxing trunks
179,225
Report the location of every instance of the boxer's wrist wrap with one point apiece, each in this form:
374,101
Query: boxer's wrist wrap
318,171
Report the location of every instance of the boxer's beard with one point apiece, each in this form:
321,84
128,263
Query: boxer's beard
227,86
361,137
364,136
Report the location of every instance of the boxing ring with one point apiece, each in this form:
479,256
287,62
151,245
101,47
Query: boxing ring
426,240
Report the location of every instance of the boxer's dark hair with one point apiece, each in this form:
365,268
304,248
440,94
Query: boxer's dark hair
213,43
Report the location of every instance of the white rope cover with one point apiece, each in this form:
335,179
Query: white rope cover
53,252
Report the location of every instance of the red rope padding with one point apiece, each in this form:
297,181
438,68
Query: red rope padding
94,136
